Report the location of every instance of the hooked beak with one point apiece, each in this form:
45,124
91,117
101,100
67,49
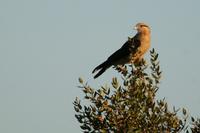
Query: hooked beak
135,28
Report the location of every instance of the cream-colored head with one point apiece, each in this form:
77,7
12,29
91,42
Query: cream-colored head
142,28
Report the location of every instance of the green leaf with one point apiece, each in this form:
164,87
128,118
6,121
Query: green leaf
192,119
184,111
80,80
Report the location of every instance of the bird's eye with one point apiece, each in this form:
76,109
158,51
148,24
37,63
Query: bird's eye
141,26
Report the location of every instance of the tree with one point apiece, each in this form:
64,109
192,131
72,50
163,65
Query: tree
131,107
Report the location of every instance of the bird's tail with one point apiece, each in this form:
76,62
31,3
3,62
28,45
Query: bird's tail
102,67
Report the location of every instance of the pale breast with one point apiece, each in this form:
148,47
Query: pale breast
142,49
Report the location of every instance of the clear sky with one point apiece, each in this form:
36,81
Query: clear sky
45,45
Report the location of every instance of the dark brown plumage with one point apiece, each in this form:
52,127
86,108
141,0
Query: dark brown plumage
131,52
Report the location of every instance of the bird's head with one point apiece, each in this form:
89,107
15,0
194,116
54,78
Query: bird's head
142,28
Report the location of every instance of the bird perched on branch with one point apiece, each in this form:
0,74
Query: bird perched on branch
132,51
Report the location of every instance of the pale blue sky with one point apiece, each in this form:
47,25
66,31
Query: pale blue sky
45,45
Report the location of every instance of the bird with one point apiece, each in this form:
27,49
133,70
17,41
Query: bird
132,51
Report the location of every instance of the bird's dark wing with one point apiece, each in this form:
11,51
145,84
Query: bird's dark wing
121,56
129,47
